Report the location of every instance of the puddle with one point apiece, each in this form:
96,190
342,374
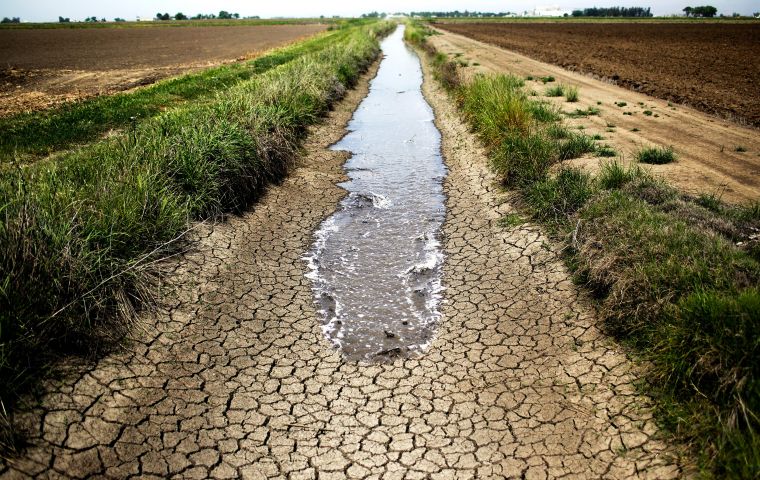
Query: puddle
376,263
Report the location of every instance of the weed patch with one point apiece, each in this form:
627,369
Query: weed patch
656,155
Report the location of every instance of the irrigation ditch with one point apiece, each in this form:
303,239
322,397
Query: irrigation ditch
377,303
232,374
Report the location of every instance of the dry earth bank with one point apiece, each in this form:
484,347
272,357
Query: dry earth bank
43,67
706,147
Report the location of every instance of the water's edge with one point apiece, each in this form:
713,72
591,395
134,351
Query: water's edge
375,265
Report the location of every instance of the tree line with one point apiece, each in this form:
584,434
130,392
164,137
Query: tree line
636,12
11,20
223,15
705,11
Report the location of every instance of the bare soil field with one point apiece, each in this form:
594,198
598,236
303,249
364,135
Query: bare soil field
42,67
709,66
713,155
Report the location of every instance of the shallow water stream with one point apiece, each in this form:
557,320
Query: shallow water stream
376,263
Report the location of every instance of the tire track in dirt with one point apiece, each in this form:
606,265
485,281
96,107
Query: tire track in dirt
233,378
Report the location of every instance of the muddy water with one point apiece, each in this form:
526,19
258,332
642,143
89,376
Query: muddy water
376,263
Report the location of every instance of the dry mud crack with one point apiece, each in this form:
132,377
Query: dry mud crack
233,378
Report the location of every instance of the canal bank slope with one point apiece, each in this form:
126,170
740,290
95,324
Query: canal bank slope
233,378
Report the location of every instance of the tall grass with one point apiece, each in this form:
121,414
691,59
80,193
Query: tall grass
676,276
80,235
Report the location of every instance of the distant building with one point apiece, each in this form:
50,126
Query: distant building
549,11
144,19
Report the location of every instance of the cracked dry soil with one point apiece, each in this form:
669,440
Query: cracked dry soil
233,378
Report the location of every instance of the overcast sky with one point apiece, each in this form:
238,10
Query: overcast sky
49,10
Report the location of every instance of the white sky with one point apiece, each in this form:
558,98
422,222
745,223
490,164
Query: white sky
49,10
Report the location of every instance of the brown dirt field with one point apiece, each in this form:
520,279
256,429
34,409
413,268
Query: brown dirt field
712,67
707,160
43,67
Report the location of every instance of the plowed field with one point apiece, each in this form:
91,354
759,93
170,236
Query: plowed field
42,67
713,67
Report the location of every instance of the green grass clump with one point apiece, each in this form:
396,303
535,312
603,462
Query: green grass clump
554,198
571,94
614,175
497,107
656,155
621,104
605,151
575,146
511,220
648,113
590,111
555,91
547,79
81,234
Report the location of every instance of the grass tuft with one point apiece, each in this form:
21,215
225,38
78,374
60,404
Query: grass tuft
555,91
656,155
571,94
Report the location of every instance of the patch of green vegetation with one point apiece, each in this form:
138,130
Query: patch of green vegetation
621,104
25,136
547,79
606,151
648,113
739,148
589,111
597,136
529,77
656,155
575,146
82,233
511,220
571,94
555,91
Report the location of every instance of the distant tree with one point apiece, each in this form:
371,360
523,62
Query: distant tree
163,16
225,15
64,20
756,14
236,15
119,19
11,20
704,11
180,16
577,13
91,19
688,11
103,19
